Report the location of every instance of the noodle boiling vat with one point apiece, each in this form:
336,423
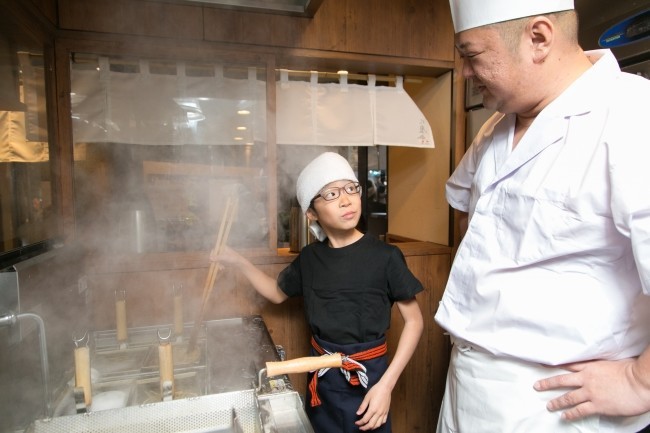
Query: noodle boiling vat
219,387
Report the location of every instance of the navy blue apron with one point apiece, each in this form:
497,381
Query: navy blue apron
340,399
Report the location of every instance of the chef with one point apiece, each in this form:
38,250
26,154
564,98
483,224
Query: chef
548,299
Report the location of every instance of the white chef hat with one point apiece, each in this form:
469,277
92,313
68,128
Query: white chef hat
468,14
326,168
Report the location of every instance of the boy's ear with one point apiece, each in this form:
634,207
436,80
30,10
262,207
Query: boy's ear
311,214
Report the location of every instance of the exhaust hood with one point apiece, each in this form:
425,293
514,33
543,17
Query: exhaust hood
306,8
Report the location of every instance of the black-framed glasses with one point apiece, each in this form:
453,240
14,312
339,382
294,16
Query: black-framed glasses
333,193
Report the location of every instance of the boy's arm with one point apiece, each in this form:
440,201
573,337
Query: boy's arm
263,283
408,340
376,404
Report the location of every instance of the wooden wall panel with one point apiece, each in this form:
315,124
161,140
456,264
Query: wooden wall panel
419,29
130,17
407,28
328,29
148,282
417,176
48,9
225,25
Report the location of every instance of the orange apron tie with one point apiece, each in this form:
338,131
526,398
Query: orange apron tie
350,365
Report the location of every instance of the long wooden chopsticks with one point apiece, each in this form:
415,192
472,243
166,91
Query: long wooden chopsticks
222,238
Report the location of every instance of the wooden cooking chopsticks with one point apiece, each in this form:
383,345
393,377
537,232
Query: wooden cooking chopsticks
222,238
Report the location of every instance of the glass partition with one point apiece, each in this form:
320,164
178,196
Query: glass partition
26,211
159,149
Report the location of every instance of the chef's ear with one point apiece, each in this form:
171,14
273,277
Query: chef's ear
541,31
312,215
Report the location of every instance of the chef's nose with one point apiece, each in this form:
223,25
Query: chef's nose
344,199
467,70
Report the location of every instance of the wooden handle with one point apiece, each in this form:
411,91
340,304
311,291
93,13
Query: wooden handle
82,372
303,365
166,363
120,319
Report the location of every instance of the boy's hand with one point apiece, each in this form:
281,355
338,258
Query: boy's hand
228,256
374,407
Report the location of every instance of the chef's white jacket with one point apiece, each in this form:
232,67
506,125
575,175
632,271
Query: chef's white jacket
555,264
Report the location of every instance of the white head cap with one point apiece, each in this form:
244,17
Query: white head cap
326,168
468,14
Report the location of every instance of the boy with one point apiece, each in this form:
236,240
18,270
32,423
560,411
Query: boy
349,282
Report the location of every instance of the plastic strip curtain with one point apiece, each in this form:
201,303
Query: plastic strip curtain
343,114
170,109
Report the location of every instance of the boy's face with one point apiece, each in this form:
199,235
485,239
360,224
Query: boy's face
339,214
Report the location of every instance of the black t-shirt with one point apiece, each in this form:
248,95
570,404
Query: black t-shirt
348,292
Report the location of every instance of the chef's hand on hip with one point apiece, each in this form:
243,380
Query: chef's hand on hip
610,388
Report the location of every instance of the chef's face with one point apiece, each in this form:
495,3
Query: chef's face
495,66
341,213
